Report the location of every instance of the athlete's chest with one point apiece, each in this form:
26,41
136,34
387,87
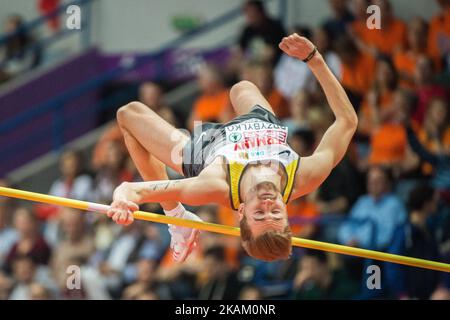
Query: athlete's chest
254,134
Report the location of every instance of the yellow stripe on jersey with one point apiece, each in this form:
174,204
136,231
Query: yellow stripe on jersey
291,170
235,170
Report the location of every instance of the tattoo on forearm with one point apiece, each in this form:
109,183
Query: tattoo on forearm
157,186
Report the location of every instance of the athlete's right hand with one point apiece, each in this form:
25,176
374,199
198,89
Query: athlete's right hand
121,209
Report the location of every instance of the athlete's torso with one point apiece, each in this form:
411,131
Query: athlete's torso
237,144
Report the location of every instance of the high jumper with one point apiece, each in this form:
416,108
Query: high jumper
245,164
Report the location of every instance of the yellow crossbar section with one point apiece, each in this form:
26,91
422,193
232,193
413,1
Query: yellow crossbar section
228,230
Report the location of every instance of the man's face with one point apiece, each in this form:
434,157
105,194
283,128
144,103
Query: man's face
207,80
264,209
23,223
252,15
377,183
69,165
338,6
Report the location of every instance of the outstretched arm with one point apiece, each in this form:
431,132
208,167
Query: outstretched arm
192,191
418,148
313,170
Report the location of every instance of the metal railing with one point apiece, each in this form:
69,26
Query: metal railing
39,44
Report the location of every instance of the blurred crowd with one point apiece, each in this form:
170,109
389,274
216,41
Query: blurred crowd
390,193
19,52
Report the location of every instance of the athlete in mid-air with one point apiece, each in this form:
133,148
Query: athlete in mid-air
245,164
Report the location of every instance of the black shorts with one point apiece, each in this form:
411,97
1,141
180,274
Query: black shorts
210,135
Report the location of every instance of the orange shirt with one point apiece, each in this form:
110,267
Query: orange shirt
358,76
360,30
210,107
111,134
227,216
366,116
279,104
387,40
439,28
388,144
432,145
405,62
301,208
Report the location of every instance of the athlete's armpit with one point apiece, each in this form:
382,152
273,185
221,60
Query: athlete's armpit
311,173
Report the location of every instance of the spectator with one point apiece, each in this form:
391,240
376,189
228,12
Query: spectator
260,37
73,183
374,216
414,239
426,88
116,266
145,282
24,270
213,101
315,280
336,195
435,132
216,280
28,274
390,38
439,33
150,94
406,60
17,54
303,217
322,40
440,162
8,236
112,173
300,110
30,243
388,142
336,25
261,75
380,97
357,68
303,213
47,7
303,142
6,284
357,29
292,75
75,249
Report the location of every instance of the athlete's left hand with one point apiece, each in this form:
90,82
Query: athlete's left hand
296,46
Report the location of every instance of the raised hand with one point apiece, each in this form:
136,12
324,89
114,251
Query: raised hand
296,46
